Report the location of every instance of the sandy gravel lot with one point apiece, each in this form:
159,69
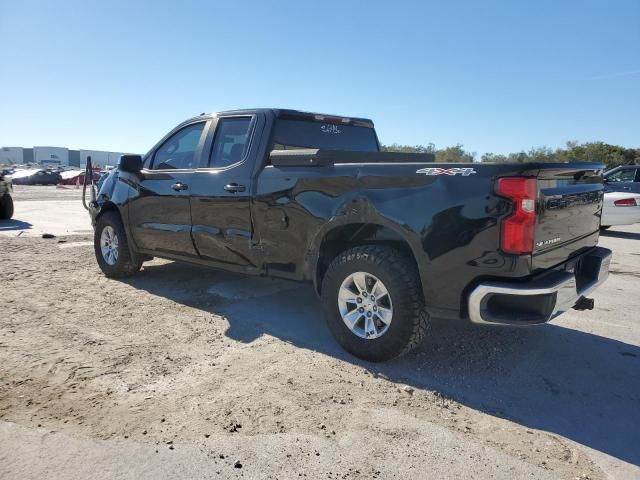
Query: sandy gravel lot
182,372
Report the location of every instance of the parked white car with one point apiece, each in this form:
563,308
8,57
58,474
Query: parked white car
620,208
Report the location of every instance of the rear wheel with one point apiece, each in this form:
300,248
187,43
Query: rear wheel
111,247
6,207
373,302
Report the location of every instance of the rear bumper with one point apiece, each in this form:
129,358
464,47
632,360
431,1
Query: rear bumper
543,298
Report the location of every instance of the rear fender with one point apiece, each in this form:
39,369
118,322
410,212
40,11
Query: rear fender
370,217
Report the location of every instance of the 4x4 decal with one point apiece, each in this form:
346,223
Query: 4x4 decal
465,172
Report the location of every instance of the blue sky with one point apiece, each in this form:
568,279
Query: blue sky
494,76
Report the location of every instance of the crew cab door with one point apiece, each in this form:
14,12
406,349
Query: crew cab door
221,193
160,215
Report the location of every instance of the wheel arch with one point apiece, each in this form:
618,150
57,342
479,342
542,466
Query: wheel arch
104,207
111,206
107,206
336,238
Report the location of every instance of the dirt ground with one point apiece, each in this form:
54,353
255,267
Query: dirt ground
183,372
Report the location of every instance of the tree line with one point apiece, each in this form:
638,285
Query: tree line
610,155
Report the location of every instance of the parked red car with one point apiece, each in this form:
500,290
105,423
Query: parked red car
76,177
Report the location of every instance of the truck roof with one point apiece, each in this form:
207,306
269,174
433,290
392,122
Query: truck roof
295,114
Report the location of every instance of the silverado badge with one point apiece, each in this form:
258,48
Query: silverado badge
551,241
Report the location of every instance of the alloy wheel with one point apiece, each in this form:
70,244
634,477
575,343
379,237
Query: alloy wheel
365,305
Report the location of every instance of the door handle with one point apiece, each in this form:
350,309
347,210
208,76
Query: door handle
234,187
179,186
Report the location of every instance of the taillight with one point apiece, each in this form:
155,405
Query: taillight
517,232
626,202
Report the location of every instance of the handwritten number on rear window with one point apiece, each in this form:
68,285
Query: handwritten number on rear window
328,128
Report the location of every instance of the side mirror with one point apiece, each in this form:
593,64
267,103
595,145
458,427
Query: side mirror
130,163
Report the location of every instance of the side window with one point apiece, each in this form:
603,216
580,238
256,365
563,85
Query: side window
179,150
624,175
231,141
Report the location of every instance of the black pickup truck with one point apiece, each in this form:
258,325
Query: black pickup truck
387,239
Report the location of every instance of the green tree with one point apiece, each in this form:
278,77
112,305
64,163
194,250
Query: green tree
454,154
493,158
395,147
448,155
610,155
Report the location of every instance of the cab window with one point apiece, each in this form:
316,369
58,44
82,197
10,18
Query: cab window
296,134
179,150
231,141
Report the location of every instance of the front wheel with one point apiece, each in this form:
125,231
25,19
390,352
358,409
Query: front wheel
111,247
373,302
6,207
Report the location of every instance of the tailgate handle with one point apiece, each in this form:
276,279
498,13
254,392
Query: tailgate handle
234,187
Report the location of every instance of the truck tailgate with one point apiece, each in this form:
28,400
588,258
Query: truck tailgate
569,207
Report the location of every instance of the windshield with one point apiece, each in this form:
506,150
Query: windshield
297,134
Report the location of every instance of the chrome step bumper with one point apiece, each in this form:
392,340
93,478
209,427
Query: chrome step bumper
538,301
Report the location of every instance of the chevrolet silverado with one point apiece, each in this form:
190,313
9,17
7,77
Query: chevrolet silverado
388,240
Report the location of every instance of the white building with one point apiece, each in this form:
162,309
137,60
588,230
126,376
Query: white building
99,158
51,156
11,156
57,157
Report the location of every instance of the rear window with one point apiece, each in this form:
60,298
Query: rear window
296,134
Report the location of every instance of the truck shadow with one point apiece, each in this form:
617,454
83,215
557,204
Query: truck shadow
12,224
619,234
578,385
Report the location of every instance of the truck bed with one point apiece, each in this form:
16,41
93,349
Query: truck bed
315,157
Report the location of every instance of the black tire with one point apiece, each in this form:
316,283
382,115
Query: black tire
410,320
126,263
6,207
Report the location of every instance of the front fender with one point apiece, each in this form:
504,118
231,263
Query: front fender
114,194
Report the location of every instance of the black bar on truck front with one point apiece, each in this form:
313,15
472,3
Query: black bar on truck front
88,176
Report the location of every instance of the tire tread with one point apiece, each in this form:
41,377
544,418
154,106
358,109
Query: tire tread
401,267
6,207
127,264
